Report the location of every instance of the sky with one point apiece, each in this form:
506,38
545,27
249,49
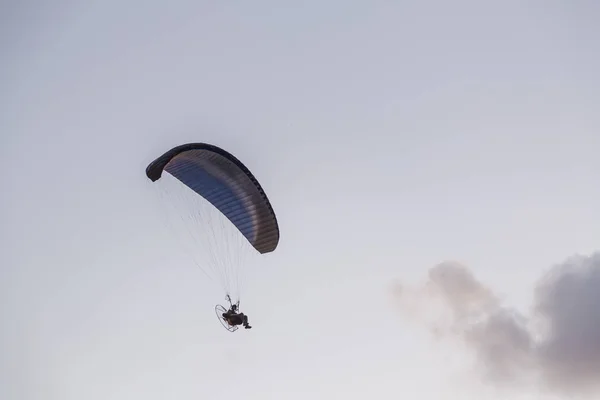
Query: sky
392,138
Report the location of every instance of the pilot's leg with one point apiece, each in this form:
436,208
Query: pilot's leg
246,325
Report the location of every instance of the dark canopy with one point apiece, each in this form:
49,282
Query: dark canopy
226,183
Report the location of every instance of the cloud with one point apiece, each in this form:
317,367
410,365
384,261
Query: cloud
568,302
557,346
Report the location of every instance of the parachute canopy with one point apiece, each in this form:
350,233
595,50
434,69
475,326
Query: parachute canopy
227,184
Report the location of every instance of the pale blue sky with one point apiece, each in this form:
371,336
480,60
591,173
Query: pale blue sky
389,136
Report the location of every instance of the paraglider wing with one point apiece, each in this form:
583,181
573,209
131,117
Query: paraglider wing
227,184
